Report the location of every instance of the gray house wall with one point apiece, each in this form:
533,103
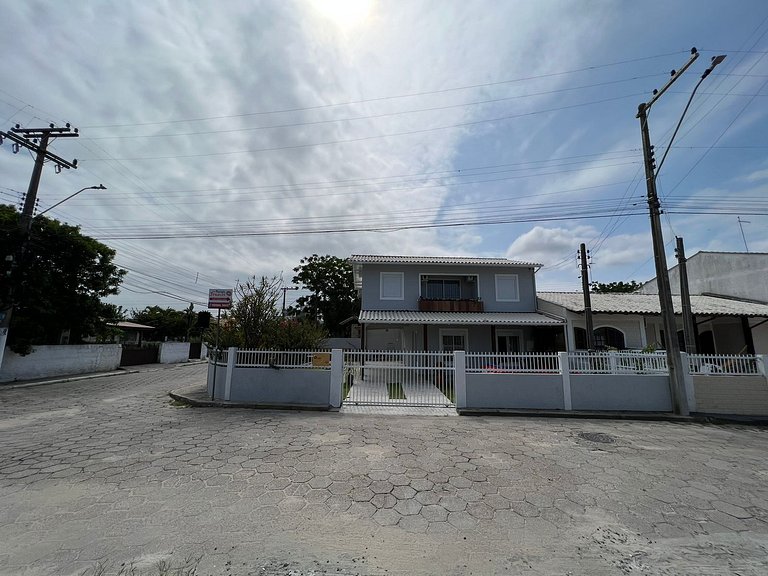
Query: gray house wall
371,295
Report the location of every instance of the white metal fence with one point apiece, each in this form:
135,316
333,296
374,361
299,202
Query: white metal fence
724,364
399,378
531,363
617,362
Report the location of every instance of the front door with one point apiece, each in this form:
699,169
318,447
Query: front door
509,342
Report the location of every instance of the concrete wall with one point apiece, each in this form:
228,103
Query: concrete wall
269,387
486,286
515,391
620,392
743,395
739,275
51,361
173,352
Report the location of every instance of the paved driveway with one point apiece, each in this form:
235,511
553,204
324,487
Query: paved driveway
107,471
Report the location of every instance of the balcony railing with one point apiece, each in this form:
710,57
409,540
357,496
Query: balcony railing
439,305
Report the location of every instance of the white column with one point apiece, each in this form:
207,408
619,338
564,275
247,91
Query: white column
231,360
460,377
337,378
565,373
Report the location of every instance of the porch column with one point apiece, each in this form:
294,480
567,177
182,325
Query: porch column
426,337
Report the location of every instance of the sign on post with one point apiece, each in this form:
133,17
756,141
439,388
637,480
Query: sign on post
219,299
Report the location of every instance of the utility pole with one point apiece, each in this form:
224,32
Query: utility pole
36,140
674,361
689,326
742,231
587,298
285,289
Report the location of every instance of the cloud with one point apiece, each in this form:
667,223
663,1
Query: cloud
547,245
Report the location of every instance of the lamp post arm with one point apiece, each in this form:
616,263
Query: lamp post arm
99,187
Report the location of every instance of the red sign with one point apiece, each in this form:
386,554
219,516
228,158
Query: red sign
220,298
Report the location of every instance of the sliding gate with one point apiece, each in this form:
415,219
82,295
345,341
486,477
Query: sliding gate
387,378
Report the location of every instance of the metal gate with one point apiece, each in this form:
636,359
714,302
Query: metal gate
387,378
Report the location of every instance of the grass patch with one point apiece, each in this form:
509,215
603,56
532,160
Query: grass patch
395,391
187,567
179,403
346,386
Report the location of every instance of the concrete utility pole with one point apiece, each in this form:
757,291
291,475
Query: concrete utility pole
35,140
587,298
285,289
689,326
674,361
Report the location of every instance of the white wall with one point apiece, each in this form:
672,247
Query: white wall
173,352
51,361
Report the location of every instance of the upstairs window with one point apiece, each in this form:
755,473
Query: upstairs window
391,284
507,289
441,289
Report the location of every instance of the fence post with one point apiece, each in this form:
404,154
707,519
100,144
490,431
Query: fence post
460,377
612,362
565,373
760,361
337,378
690,389
231,361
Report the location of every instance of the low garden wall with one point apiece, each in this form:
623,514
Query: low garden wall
621,392
741,395
54,361
511,391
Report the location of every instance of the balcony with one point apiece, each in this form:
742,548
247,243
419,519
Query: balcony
440,305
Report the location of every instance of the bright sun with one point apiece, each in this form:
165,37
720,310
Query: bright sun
345,13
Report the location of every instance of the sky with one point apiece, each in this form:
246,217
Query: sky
235,138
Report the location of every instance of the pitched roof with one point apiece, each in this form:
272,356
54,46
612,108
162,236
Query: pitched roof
633,303
377,259
457,318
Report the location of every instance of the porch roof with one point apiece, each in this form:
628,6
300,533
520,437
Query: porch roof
648,304
458,318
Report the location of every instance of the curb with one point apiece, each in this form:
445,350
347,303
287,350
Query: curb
67,379
695,418
182,395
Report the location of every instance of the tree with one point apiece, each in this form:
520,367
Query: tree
168,324
604,288
332,297
56,283
255,321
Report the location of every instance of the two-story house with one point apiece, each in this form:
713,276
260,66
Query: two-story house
452,303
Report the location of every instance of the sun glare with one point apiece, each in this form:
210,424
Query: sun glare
344,13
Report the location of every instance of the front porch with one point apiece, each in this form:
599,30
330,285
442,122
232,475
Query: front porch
505,333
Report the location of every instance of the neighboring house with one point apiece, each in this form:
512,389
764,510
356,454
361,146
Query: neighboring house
452,303
742,275
131,332
633,321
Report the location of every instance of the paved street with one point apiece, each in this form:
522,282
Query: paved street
101,472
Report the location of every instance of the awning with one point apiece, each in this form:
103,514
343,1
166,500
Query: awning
458,318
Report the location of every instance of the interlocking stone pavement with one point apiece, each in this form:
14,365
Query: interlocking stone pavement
101,472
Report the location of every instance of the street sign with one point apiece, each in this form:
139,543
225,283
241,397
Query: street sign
219,299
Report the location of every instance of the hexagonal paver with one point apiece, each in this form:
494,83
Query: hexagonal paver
320,482
460,482
408,507
361,494
278,484
403,492
387,516
462,520
384,500
422,484
292,504
480,510
381,487
453,503
338,488
428,498
434,513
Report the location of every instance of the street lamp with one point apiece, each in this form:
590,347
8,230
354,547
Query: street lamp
99,187
674,360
